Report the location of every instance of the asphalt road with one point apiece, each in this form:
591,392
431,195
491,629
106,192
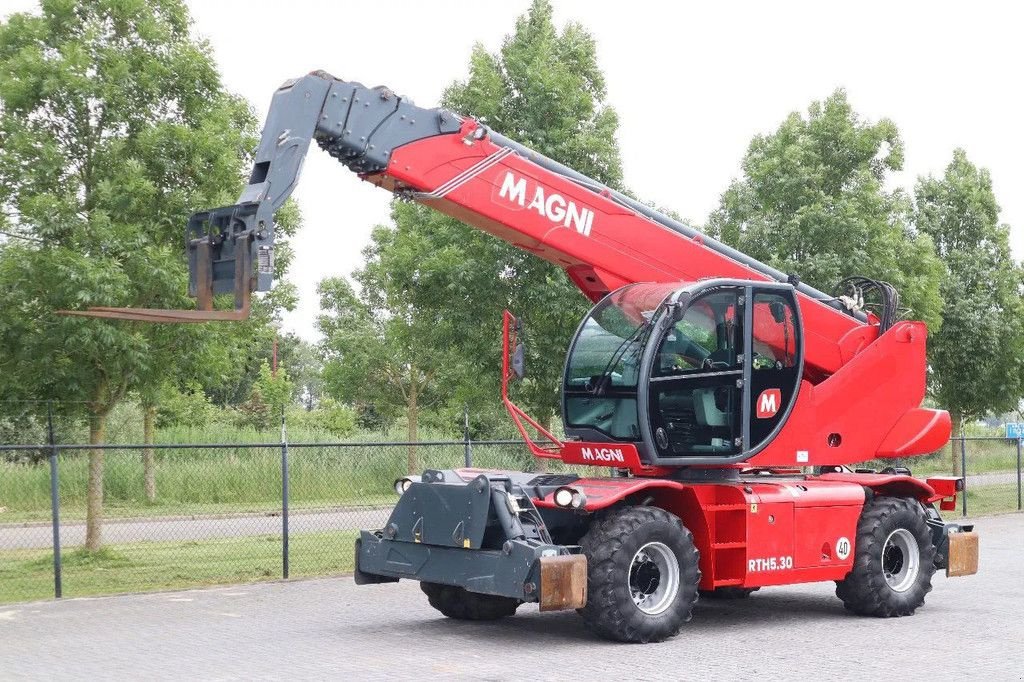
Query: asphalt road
995,478
116,531
971,628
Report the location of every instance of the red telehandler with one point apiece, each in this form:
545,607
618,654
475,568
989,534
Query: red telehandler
707,383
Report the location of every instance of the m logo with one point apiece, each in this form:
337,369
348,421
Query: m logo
768,403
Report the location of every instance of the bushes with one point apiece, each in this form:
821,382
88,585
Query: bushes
329,417
23,429
184,407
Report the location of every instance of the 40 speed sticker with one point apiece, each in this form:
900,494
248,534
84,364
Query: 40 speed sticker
775,563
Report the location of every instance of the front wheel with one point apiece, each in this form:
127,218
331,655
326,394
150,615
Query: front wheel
642,575
894,560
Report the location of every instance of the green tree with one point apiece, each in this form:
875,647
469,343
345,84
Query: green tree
114,126
977,357
180,360
379,343
304,363
812,202
545,89
275,388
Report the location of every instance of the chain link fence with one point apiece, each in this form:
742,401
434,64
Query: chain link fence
178,515
186,514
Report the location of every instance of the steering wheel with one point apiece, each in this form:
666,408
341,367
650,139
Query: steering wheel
712,364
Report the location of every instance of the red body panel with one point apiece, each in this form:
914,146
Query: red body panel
759,531
858,412
946,488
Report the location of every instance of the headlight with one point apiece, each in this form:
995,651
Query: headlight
563,497
402,484
570,498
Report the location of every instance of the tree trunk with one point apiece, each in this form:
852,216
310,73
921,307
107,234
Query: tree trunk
413,412
148,458
94,498
954,443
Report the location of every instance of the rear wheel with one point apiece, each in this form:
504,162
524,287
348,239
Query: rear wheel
642,575
894,560
461,604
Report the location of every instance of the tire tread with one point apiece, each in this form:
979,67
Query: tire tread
604,613
864,590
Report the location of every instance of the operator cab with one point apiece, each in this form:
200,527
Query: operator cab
667,367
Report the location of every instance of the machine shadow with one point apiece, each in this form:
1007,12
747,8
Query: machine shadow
709,617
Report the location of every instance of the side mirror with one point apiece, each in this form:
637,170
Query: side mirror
778,310
519,361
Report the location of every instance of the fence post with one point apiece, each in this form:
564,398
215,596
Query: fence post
1019,507
58,588
963,469
465,436
284,497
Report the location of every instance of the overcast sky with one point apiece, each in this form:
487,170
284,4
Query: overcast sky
692,84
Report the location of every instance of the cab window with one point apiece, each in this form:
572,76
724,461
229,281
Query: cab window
707,338
775,362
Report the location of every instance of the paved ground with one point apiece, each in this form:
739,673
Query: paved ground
971,628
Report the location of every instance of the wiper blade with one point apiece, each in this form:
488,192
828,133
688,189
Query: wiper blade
598,387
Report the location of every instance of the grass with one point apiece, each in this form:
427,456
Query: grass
990,499
233,480
215,480
145,566
199,481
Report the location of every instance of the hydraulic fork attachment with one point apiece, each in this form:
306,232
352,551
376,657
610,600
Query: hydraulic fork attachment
221,246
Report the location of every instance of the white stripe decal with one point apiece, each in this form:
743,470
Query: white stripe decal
465,176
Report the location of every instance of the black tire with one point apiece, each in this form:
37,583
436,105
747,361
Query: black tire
617,569
884,548
729,592
461,604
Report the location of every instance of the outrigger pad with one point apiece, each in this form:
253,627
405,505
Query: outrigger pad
963,554
563,582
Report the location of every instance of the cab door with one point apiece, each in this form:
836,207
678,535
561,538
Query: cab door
721,378
695,395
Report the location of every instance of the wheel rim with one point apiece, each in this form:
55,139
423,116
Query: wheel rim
653,578
901,560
